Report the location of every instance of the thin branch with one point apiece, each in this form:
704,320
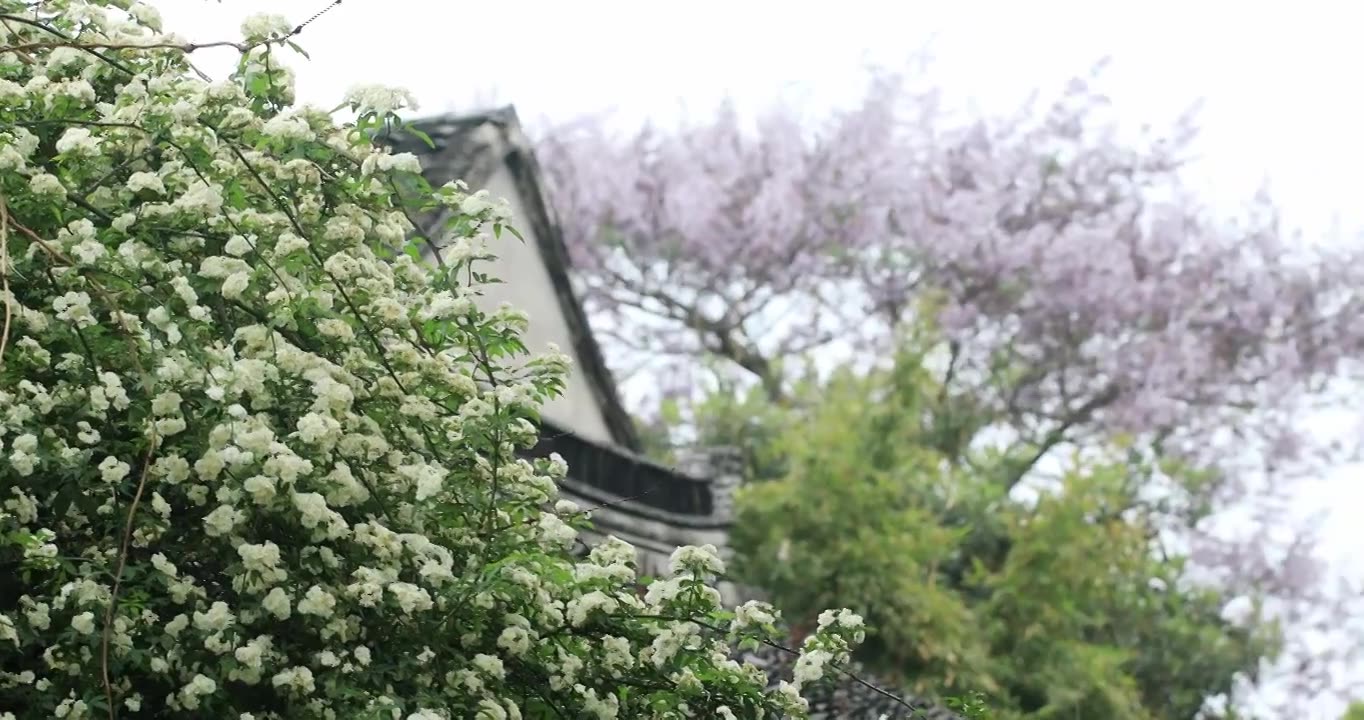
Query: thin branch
118,574
4,278
70,42
583,513
146,459
1058,434
182,47
955,349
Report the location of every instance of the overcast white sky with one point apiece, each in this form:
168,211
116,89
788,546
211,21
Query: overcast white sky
1280,80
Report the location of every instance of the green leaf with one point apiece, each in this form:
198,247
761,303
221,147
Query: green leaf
294,46
420,135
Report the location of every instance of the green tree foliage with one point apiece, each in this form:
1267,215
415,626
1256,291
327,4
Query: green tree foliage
1062,606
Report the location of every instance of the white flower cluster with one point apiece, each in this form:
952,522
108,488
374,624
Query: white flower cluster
828,647
248,447
380,99
264,26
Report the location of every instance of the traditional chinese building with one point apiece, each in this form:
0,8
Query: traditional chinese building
655,508
650,506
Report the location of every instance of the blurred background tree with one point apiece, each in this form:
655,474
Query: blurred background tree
1041,323
1070,604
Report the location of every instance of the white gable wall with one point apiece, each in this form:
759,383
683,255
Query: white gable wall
526,285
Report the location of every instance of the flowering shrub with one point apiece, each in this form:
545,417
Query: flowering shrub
258,457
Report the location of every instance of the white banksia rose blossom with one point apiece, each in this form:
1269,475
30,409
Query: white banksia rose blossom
164,566
297,680
289,243
112,469
788,694
146,14
44,184
333,506
84,623
237,246
253,653
582,608
380,161
381,99
515,640
287,128
753,614
198,687
811,666
222,520
277,603
78,141
218,617
482,203
143,181
703,560
317,601
262,26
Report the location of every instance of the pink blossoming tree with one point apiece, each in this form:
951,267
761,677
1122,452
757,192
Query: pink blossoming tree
1077,287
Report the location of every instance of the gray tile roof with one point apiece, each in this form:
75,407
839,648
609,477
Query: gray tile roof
843,697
